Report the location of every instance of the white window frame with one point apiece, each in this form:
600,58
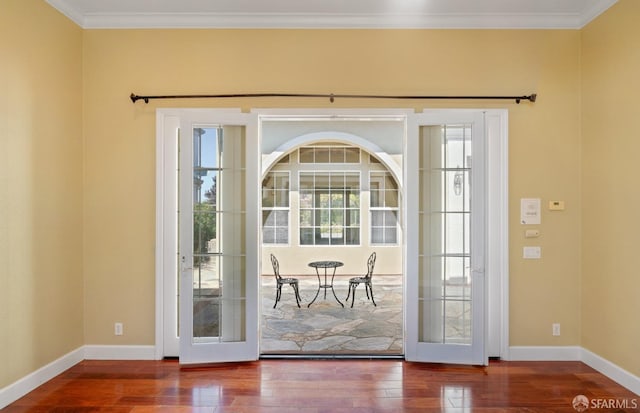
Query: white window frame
383,209
279,208
345,210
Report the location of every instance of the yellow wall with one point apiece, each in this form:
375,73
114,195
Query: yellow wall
610,280
41,291
77,160
119,138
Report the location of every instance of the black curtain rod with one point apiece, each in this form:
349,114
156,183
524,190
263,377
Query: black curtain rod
331,97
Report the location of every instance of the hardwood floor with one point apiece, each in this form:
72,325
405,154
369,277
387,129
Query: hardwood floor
318,386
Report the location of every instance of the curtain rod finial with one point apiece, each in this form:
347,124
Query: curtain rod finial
134,98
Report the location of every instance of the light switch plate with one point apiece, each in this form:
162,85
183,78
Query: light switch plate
531,253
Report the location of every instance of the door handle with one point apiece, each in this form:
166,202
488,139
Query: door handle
183,267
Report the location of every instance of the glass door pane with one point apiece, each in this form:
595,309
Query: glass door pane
219,291
219,281
444,280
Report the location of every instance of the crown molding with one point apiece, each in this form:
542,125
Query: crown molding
599,8
330,20
63,7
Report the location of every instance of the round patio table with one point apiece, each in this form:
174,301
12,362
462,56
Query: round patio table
325,265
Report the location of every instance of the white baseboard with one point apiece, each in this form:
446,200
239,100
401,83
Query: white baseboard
613,371
94,352
545,353
16,390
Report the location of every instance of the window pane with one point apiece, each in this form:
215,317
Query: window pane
323,235
205,147
282,218
353,217
321,155
268,182
321,181
377,235
205,185
377,218
390,218
389,182
337,217
268,218
268,235
352,180
352,236
306,236
354,199
306,199
322,199
267,198
282,198
391,198
282,181
390,236
337,181
337,200
322,217
204,228
306,181
306,217
306,155
282,235
337,155
376,202
352,155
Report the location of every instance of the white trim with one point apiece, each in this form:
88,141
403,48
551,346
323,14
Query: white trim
544,353
457,20
497,124
117,352
611,370
28,383
160,236
330,21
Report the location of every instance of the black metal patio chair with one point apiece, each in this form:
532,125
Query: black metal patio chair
280,281
366,280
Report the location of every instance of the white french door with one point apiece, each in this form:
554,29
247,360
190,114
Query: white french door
217,242
445,307
213,187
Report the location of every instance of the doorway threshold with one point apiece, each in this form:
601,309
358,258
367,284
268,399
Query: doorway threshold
332,356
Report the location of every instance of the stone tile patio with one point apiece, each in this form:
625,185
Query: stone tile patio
326,327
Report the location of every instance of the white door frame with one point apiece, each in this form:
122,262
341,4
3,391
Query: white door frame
497,265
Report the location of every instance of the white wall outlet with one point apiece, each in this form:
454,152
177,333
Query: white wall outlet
118,329
555,329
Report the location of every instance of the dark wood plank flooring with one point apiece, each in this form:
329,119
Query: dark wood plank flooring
319,386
